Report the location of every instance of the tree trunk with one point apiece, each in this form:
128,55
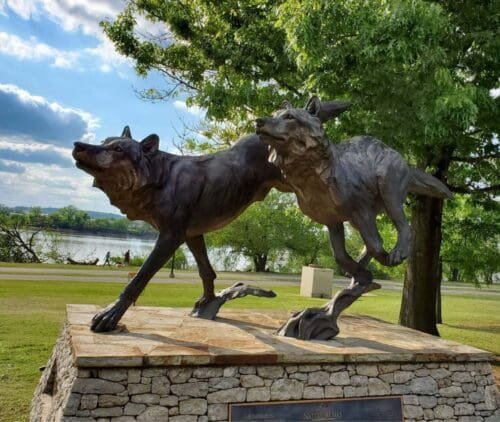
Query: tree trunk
172,264
418,307
27,251
489,278
439,314
454,274
260,261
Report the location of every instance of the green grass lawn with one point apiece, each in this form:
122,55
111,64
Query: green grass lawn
31,313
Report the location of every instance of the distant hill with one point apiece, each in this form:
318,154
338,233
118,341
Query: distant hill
50,210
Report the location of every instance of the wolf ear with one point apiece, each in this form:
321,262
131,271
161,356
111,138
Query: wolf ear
332,109
150,144
126,133
286,105
326,110
313,105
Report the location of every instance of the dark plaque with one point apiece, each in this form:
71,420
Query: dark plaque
387,409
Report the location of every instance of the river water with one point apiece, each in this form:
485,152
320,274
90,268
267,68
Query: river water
85,247
88,247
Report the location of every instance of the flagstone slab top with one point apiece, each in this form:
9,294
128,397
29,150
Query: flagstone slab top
153,336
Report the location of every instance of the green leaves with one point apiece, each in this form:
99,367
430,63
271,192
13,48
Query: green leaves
275,228
229,55
471,239
418,72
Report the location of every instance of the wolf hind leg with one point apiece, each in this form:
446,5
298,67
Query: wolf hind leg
364,221
357,270
364,258
402,248
321,323
393,200
207,274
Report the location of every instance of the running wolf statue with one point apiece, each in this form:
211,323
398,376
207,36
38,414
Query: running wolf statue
183,198
352,181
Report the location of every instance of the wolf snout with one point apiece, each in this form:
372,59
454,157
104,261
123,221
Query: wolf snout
82,147
78,146
81,150
260,122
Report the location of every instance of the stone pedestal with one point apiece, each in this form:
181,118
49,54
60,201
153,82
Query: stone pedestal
316,282
163,365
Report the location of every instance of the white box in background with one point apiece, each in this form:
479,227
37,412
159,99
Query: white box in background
316,282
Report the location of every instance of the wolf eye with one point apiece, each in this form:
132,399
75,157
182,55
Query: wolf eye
118,148
288,117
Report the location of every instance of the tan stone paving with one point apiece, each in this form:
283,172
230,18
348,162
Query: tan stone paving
154,336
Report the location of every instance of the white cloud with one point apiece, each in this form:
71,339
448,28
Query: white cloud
108,57
7,166
26,150
102,57
76,15
25,115
194,110
31,49
23,8
36,167
35,133
157,31
50,186
83,15
105,68
72,15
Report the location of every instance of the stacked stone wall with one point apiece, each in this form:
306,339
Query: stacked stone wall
464,392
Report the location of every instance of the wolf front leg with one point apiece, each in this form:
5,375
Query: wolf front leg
165,246
207,274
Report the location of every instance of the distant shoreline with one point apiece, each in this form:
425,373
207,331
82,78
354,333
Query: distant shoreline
100,233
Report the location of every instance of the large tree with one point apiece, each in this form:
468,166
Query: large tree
419,73
471,250
69,217
270,228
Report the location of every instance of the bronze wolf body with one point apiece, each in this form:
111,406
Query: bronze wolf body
183,197
352,181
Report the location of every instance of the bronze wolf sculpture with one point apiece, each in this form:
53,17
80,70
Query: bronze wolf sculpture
352,181
183,198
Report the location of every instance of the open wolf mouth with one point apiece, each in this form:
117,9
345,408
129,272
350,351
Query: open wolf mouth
86,166
266,136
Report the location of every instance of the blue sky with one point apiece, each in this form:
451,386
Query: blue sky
61,81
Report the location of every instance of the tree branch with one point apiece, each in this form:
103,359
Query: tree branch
173,76
289,87
15,235
472,189
476,159
32,237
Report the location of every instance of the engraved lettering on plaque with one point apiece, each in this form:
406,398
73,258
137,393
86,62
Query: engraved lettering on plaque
376,409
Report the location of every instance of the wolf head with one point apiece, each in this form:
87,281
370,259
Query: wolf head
293,131
119,164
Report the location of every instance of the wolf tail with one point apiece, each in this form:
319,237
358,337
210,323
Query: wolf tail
424,184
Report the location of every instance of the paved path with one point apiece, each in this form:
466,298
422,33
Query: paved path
122,275
113,275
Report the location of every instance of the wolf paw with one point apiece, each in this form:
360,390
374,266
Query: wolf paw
397,255
207,308
203,300
108,318
310,324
